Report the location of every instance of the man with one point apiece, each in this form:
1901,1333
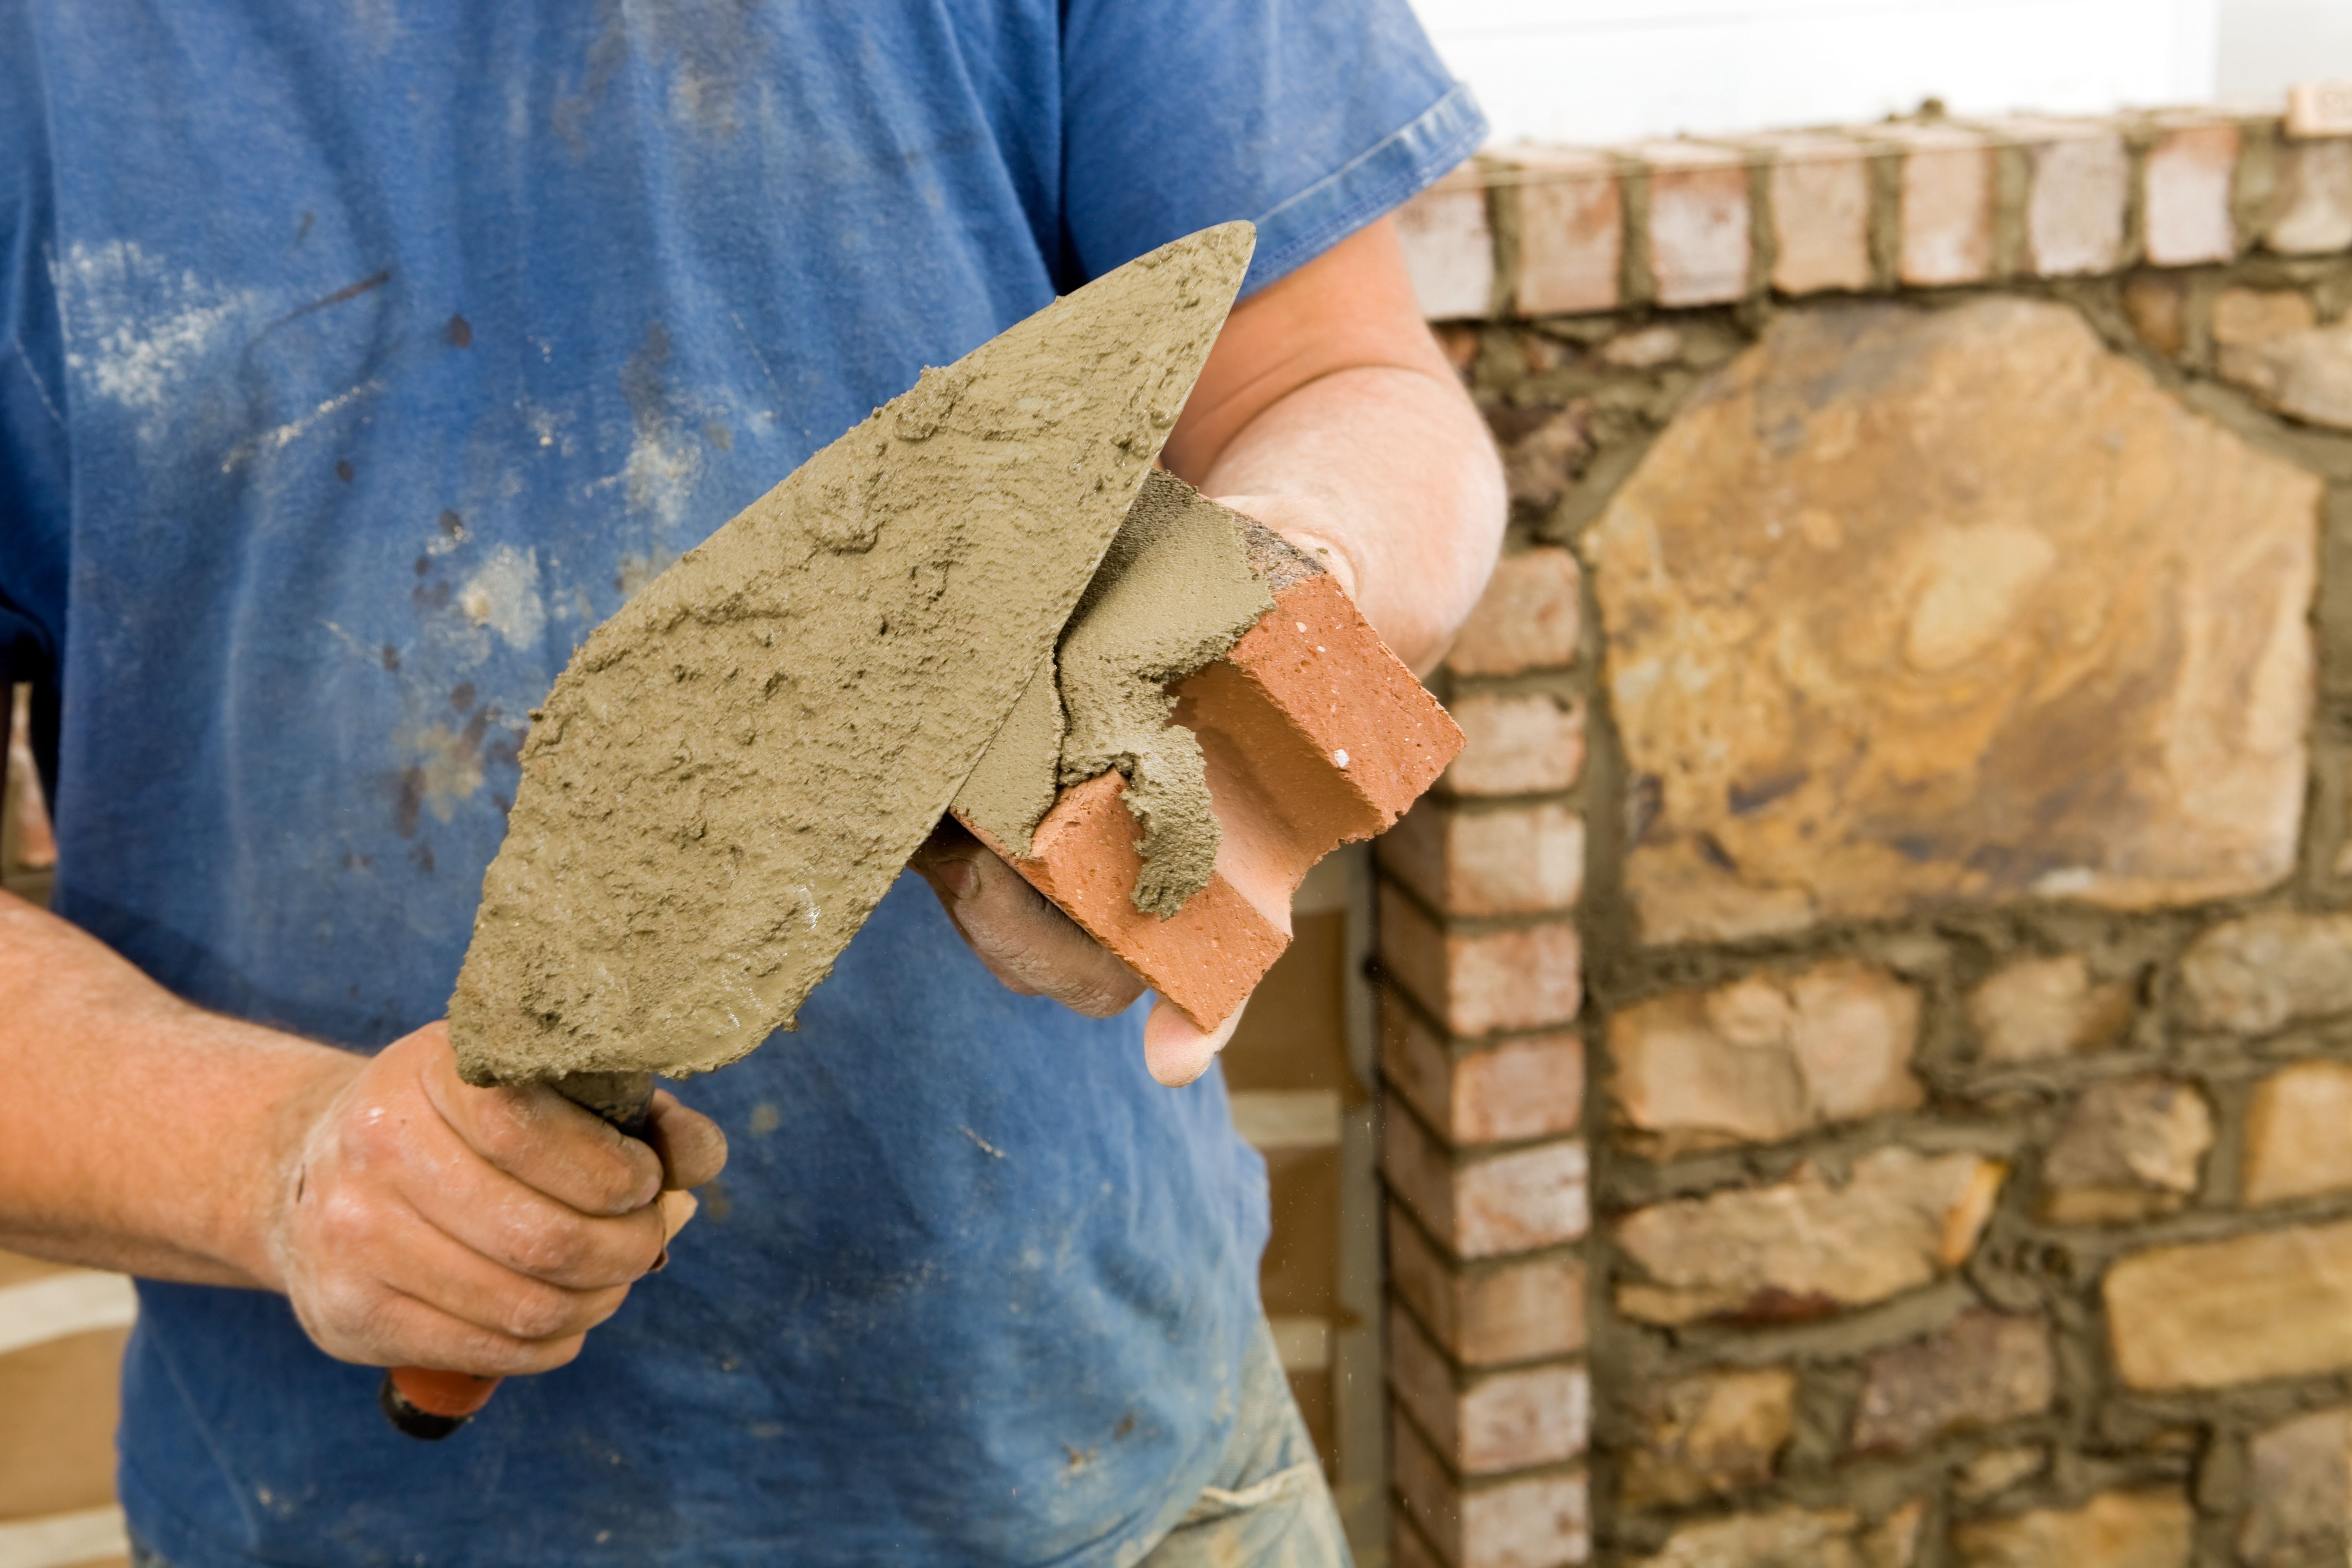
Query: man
356,364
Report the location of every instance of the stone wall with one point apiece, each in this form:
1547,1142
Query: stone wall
1907,784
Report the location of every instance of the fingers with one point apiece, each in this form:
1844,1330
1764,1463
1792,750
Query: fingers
1176,1050
545,1142
691,1147
1027,943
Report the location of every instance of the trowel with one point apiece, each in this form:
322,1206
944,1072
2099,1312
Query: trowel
734,769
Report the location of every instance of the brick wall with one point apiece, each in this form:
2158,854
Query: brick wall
1867,1023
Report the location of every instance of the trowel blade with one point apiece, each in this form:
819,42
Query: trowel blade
733,769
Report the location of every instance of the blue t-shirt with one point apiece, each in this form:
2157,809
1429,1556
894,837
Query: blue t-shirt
355,360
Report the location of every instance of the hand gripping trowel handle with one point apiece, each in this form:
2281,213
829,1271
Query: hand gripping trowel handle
429,1403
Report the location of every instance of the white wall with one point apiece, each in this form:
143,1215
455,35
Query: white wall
2267,43
1612,70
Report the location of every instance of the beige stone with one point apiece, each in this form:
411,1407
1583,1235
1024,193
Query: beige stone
1767,1057
1809,1246
1528,619
1794,1538
2301,1477
1979,1370
1571,231
2209,1314
2277,967
2130,1150
2314,211
2247,318
2114,1529
1996,1470
2158,309
2036,1008
1708,1436
1544,449
2306,376
2298,1134
2069,615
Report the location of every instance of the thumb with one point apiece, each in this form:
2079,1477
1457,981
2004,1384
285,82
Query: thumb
1178,1050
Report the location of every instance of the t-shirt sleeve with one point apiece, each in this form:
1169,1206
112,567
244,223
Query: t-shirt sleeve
34,459
1311,117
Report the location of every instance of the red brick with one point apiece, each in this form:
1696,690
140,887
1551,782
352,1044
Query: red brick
1700,244
1516,744
1521,1088
1484,1206
1477,984
1532,1521
2079,178
1948,203
2186,208
1528,619
1482,1425
1819,189
1449,245
1488,1313
1309,708
1571,231
1512,860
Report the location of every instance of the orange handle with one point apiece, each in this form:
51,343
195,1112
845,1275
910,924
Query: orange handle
431,1404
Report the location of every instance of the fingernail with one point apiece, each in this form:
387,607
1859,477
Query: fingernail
962,877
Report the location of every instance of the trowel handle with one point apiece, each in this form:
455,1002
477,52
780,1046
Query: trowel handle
430,1404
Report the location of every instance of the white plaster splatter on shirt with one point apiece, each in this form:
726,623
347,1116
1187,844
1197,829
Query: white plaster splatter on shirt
503,594
135,327
295,429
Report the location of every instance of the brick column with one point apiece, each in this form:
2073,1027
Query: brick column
1482,1145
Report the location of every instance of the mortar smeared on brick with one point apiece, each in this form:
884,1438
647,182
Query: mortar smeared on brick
734,769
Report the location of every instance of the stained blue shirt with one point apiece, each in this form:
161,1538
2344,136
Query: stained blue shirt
355,360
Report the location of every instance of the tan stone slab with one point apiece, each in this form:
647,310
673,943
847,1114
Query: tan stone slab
1913,609
1816,1538
1809,1246
2276,967
1981,1369
2277,1303
2034,1009
2299,1474
2295,1142
1709,1436
1765,1058
2306,376
2312,213
2249,318
2114,1529
2130,1150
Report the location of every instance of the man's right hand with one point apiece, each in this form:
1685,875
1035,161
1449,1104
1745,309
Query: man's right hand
423,1222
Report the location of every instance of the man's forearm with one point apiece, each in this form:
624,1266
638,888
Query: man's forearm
1393,471
136,1131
